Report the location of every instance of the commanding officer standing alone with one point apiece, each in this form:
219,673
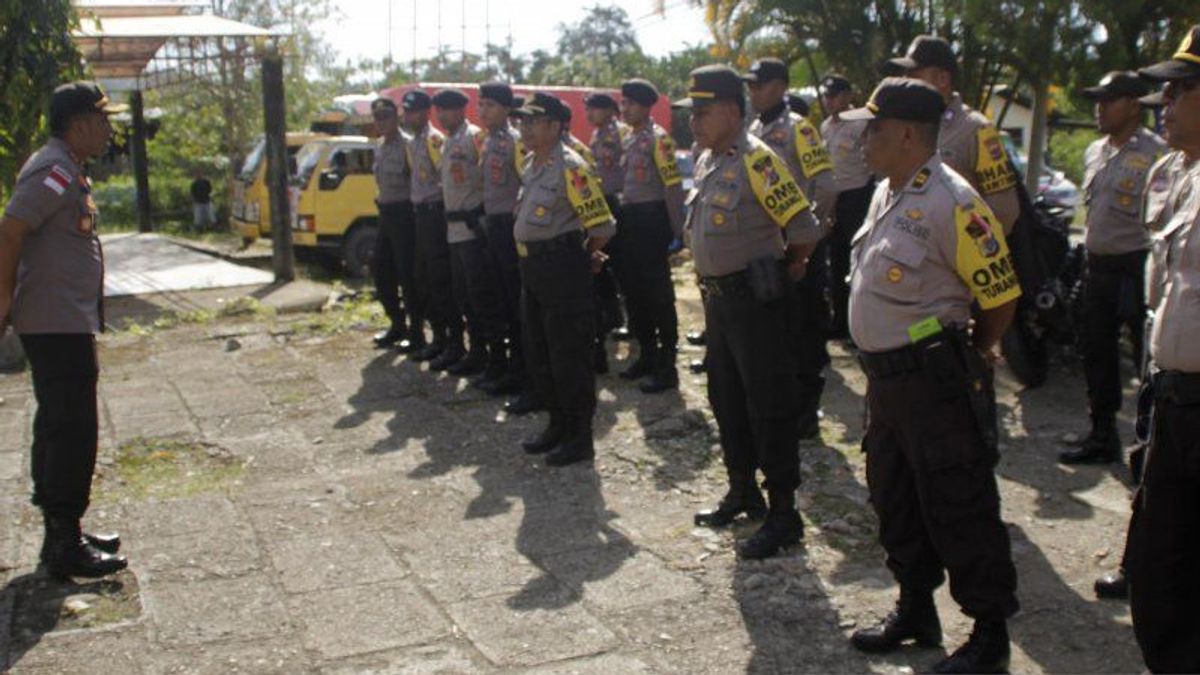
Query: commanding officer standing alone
395,281
475,280
432,251
797,142
1163,552
651,217
930,247
967,140
1115,170
751,230
853,185
51,290
562,223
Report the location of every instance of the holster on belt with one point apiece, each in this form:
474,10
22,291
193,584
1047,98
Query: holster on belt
976,379
766,278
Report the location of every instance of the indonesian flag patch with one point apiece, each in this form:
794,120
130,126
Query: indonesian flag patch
58,180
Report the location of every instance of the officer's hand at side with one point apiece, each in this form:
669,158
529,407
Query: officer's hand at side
598,260
797,269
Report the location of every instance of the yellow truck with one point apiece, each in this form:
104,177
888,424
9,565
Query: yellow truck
333,201
251,211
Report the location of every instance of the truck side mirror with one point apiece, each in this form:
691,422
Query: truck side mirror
330,179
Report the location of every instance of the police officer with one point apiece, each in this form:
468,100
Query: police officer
394,264
433,267
929,248
562,223
854,185
51,291
750,229
503,156
967,141
795,140
605,146
1115,170
475,279
1163,552
651,217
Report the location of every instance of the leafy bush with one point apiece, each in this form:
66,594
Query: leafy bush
1066,151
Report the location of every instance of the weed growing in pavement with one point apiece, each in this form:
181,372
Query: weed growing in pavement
142,468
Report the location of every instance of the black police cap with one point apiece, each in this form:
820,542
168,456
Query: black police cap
834,84
416,100
710,84
767,70
518,101
927,50
450,99
499,92
1117,84
640,91
78,98
601,100
383,103
1183,65
542,104
901,98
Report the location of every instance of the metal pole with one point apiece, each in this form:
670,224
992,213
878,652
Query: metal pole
274,126
141,165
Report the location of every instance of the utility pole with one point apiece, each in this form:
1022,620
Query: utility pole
141,164
283,258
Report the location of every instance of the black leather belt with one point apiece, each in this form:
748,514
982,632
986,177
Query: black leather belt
429,207
736,285
563,242
1177,387
471,216
906,359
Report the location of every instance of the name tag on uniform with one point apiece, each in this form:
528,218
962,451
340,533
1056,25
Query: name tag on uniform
925,328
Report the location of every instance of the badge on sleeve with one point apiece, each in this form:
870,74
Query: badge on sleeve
812,153
982,258
664,159
991,163
57,180
774,186
586,197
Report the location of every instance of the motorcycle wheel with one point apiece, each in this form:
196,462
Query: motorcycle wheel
1027,356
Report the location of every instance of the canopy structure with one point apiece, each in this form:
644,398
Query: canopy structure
133,45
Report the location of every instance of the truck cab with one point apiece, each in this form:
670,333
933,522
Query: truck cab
333,201
251,210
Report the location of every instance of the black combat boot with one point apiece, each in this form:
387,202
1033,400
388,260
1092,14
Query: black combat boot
1102,446
452,354
474,363
782,528
525,402
665,377
556,430
743,497
915,618
67,553
696,338
389,337
644,364
434,349
414,340
1112,586
497,367
987,651
698,366
577,446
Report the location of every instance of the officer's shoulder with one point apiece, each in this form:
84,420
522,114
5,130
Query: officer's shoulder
572,159
756,144
976,119
1094,146
49,157
957,188
1157,142
1166,162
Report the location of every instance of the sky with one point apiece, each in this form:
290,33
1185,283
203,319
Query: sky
359,28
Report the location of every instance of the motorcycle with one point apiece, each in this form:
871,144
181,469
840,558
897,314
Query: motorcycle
1051,272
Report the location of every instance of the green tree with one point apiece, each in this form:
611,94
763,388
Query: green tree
36,55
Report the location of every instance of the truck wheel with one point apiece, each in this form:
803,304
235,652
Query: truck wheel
358,251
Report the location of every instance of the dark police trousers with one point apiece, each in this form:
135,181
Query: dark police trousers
395,265
502,249
811,327
752,384
608,298
433,272
1162,555
559,320
931,481
477,292
1113,297
644,272
849,211
65,372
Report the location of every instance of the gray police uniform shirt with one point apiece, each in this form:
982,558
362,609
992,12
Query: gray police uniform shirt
731,223
844,139
651,174
1167,188
392,175
1174,283
606,148
969,143
1113,183
60,275
560,196
462,179
503,156
799,143
923,254
425,159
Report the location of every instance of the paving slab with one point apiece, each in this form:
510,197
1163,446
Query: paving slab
443,658
367,618
332,559
137,264
197,612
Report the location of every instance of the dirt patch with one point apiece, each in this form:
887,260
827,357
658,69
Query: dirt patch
43,605
144,468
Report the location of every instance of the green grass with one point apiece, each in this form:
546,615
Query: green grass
145,468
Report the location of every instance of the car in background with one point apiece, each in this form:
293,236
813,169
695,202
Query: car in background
1054,188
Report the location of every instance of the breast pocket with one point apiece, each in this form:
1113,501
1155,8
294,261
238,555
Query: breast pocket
539,215
897,269
719,211
1127,189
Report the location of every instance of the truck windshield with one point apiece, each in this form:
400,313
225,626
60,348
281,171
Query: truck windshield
253,161
306,162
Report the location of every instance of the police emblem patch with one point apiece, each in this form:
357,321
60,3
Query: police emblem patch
981,233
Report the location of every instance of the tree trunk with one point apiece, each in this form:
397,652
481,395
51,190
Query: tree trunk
1037,136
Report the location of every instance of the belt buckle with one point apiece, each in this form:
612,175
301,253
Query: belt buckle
522,250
